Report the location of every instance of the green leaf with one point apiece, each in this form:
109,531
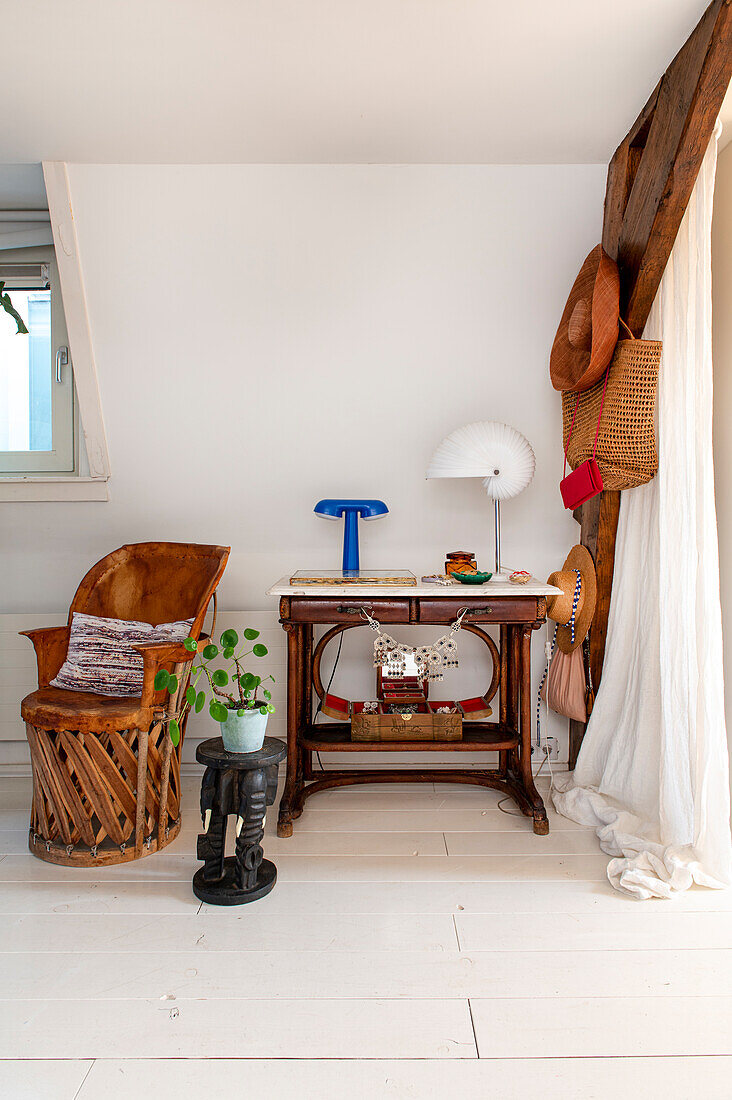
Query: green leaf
260,650
200,700
240,713
220,677
270,708
229,652
174,730
190,644
7,305
162,678
190,695
267,694
229,638
218,711
248,681
262,710
210,651
172,684
250,634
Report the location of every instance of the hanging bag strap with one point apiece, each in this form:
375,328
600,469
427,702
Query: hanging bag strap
602,405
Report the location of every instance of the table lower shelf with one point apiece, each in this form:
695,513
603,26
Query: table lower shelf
477,737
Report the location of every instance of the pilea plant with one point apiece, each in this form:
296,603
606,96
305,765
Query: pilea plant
244,686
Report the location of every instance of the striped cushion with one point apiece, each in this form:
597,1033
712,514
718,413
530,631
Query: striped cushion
101,659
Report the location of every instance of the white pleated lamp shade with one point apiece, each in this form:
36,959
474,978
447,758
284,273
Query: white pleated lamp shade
496,452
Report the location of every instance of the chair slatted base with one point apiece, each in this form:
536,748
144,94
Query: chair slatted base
87,807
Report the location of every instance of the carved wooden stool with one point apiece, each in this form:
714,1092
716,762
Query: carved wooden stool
241,783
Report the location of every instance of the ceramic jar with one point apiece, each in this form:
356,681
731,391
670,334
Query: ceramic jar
245,732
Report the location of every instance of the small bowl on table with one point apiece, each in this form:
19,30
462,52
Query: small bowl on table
472,578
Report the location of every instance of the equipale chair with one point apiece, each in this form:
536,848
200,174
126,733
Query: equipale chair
106,776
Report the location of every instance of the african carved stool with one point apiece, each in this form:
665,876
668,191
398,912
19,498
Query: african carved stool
242,784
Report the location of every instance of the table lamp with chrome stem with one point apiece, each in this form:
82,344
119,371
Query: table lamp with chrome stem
496,452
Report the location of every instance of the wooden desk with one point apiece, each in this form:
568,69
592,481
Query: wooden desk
516,610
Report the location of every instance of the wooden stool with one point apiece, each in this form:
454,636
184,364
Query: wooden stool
241,783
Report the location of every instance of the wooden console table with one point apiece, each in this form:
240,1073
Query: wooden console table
517,611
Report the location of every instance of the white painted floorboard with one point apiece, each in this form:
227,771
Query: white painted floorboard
239,928
43,1080
602,1026
514,1079
406,926
338,974
217,1028
176,862
309,899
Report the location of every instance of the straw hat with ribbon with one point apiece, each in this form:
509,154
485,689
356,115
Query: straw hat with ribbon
572,611
588,330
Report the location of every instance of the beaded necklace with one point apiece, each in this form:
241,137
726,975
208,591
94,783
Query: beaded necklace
431,660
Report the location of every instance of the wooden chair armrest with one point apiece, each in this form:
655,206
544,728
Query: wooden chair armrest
157,655
51,644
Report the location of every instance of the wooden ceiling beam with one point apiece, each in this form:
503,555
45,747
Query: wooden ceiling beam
689,99
650,180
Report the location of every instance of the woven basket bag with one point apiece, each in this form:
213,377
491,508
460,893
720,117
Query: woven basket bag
626,445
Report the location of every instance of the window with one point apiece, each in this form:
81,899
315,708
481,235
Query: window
36,385
43,453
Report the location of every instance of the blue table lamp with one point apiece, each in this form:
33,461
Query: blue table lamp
350,510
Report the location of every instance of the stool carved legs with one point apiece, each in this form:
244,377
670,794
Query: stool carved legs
246,875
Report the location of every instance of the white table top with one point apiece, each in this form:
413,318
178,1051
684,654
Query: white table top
465,592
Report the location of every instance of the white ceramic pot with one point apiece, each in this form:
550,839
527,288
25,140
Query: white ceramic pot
244,733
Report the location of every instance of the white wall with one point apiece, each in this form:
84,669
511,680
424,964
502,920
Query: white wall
332,81
722,352
268,335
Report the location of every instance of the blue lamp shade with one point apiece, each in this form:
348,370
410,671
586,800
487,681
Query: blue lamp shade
350,510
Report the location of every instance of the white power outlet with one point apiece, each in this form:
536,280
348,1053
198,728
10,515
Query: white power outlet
549,747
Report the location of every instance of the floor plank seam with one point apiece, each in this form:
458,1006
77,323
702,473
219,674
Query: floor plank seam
77,1094
472,1024
457,934
518,1059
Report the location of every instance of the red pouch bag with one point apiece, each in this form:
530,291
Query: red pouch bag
582,484
586,481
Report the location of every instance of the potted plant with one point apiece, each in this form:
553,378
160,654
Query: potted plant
239,711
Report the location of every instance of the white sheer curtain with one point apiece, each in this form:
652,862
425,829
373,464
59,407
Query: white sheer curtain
652,774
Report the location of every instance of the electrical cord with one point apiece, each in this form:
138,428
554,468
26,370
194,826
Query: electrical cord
327,691
511,813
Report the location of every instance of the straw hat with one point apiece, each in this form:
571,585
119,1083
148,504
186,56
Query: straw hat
559,608
588,330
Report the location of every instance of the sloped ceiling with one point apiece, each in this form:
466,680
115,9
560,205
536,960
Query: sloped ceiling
417,81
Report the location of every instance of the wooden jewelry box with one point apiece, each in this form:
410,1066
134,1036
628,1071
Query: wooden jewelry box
423,724
404,713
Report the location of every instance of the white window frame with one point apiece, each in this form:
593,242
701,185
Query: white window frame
94,484
63,458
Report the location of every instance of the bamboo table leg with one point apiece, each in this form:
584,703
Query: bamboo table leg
288,802
503,696
305,756
541,823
